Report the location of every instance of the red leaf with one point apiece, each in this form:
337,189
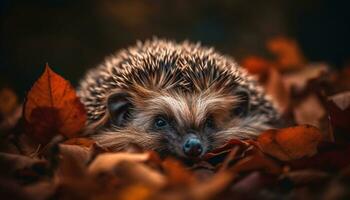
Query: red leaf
256,65
52,108
290,143
330,157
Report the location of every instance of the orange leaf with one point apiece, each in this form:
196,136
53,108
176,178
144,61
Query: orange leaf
52,108
287,52
83,142
256,65
290,143
177,174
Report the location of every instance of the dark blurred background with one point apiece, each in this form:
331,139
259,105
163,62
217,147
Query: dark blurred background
74,35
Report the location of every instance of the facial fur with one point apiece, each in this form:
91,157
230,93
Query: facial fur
160,95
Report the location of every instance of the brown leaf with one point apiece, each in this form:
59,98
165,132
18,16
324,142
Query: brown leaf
136,172
108,161
287,52
79,154
41,190
210,188
248,185
257,162
52,108
309,111
276,88
330,157
298,80
8,101
339,110
307,176
290,143
22,168
226,148
177,174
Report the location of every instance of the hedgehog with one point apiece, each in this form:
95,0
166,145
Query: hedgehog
181,99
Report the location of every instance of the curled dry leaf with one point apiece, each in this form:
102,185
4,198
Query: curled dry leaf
226,148
290,143
52,108
107,161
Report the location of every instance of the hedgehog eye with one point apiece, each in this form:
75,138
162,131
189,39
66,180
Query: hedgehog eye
160,122
243,106
209,123
119,108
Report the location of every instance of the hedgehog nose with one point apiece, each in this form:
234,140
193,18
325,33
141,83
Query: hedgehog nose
192,146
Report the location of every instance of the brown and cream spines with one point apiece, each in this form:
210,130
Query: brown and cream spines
176,98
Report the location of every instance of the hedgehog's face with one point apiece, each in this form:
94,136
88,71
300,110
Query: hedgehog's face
182,124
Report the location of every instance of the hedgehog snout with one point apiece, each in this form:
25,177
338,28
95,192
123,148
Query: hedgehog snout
192,146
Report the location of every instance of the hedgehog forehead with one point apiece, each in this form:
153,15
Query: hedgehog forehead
189,110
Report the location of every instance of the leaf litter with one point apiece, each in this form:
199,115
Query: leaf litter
44,156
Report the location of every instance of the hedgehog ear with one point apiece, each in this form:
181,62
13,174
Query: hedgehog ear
243,106
119,108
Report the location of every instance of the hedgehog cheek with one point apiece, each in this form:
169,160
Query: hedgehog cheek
242,107
119,108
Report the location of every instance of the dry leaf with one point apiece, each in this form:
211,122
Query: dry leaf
290,143
342,100
210,188
177,174
257,162
256,65
246,187
297,80
339,114
84,142
8,101
107,161
276,88
226,148
330,157
287,52
306,176
52,108
136,192
309,111
136,172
